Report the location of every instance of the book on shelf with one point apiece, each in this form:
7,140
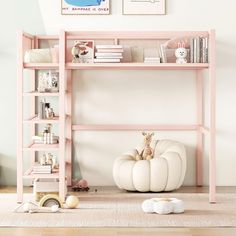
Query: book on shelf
109,46
152,60
108,53
109,57
42,169
43,142
111,54
106,60
191,48
48,139
162,53
204,50
110,50
199,50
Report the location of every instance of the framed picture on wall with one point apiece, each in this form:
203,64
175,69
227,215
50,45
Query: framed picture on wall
144,7
85,7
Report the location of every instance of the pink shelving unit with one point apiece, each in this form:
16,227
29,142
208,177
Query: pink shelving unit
65,67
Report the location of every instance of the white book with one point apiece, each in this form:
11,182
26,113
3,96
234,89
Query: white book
109,57
108,46
110,50
42,142
163,54
42,167
195,50
204,50
192,50
106,60
198,50
101,54
152,58
41,172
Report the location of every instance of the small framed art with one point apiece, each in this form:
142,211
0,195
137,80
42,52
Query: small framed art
83,51
144,7
85,7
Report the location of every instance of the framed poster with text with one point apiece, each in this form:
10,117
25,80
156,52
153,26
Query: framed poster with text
144,7
85,7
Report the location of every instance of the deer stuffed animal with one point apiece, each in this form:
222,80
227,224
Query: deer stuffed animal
147,152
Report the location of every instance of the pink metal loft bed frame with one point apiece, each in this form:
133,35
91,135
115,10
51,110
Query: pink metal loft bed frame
27,41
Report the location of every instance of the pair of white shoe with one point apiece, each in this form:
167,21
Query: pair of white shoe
163,206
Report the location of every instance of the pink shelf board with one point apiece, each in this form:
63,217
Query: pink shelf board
164,35
135,127
41,65
148,66
136,66
36,120
41,147
36,94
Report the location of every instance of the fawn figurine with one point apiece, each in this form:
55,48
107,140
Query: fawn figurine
147,152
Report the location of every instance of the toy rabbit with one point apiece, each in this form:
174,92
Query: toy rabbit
147,152
181,54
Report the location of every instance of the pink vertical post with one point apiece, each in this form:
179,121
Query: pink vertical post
62,45
199,152
212,83
20,117
32,102
69,128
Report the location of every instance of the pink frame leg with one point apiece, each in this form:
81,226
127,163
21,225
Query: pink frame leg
20,118
212,153
69,128
199,153
62,45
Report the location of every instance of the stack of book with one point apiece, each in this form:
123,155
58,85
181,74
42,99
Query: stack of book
47,138
42,169
152,60
199,50
108,53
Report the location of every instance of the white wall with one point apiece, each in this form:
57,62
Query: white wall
108,97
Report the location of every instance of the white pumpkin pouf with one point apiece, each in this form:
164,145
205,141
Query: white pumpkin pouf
163,206
165,172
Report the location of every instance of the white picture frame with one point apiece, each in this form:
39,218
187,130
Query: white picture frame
144,7
85,7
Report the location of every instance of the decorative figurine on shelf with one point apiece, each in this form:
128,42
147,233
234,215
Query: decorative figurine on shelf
81,185
181,53
45,111
147,152
48,159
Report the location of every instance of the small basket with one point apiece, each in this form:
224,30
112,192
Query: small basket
43,187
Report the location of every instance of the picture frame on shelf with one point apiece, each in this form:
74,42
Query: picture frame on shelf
83,51
144,7
85,7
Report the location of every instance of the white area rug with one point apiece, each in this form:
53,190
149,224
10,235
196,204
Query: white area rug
123,210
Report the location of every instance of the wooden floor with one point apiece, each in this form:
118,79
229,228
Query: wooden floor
117,232
122,231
